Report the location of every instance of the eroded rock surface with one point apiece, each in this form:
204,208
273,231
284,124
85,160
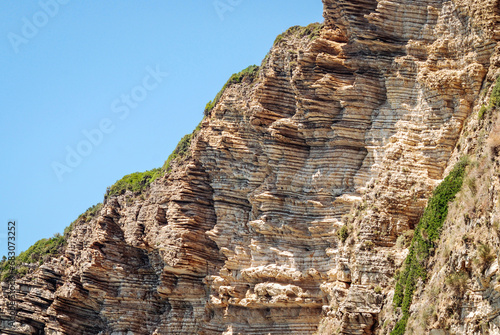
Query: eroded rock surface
351,129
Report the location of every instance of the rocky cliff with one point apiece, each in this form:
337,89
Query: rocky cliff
289,211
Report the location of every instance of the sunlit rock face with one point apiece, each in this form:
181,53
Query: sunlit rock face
351,128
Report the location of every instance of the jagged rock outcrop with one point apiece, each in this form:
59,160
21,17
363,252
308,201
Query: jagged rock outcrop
285,215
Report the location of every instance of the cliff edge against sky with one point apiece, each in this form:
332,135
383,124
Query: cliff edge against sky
290,210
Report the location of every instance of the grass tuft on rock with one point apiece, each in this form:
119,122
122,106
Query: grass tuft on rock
494,101
249,74
312,30
38,253
135,182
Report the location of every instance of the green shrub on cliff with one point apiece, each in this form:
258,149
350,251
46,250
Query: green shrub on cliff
424,240
43,249
343,233
86,216
248,74
482,110
494,100
179,152
36,254
495,95
312,30
39,251
135,182
139,181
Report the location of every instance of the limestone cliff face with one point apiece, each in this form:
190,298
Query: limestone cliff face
285,215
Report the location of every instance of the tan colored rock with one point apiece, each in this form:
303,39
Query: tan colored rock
351,129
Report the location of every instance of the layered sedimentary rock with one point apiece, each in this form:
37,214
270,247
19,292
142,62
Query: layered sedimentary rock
462,293
284,217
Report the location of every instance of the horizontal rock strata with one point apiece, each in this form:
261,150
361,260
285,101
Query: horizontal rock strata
285,215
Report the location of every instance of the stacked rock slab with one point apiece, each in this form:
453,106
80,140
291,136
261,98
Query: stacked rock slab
351,129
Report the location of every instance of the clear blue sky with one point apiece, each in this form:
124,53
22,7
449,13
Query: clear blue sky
68,66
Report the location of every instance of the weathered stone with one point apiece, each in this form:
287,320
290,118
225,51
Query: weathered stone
351,129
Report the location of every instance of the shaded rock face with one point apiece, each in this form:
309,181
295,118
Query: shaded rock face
351,129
